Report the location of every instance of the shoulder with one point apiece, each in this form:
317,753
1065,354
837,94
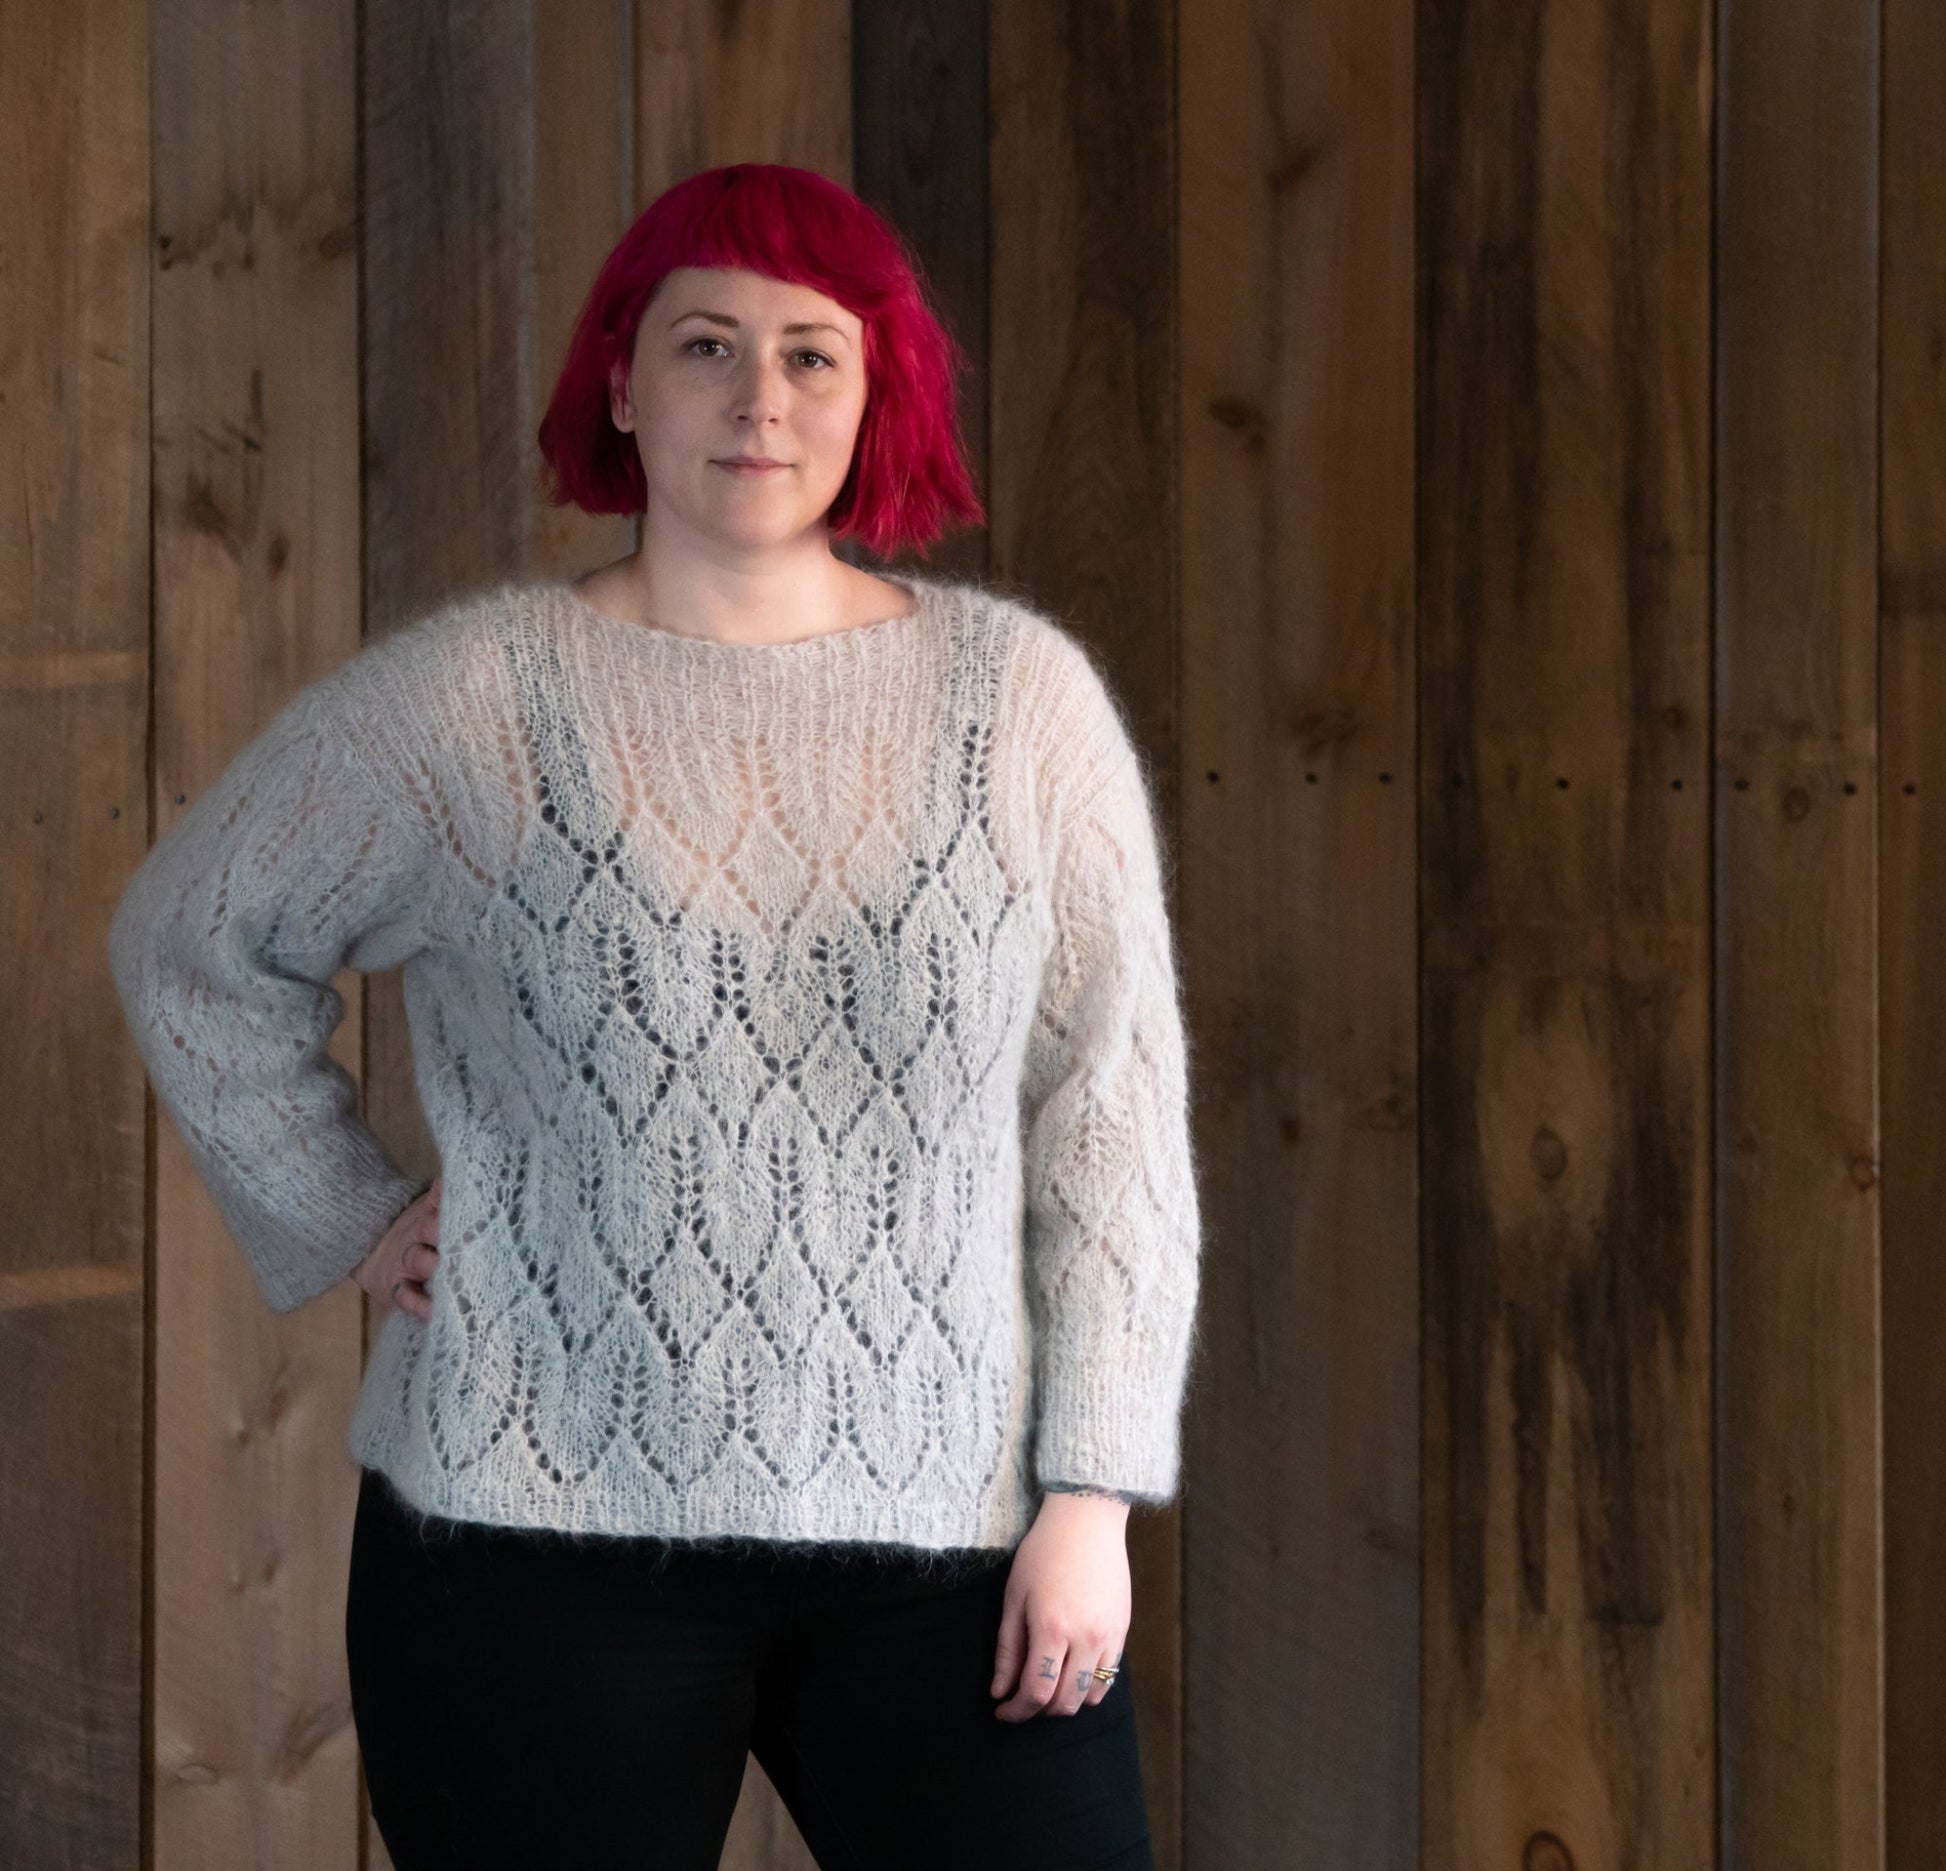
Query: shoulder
1065,687
1063,717
413,700
468,622
1050,667
437,650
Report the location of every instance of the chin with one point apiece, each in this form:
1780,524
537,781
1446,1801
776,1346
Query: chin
746,530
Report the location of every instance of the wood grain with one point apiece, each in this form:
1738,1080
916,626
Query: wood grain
919,156
1298,892
1912,896
1563,274
584,199
1797,1342
74,606
256,554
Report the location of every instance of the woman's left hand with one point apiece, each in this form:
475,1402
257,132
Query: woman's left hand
1066,1609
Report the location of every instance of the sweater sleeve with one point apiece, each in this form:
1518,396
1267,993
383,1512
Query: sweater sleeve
296,862
1112,1229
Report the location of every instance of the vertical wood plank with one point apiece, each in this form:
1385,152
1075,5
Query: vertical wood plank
1912,903
451,384
584,197
1796,412
1564,788
256,556
766,81
1082,505
919,155
74,605
1299,893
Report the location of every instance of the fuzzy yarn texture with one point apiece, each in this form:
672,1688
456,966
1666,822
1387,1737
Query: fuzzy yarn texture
799,1030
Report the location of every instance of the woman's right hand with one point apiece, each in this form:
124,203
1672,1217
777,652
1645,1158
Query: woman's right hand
395,1272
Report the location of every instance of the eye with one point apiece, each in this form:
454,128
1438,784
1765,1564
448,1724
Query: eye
819,355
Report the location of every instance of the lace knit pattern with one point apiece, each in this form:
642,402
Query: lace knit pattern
799,1032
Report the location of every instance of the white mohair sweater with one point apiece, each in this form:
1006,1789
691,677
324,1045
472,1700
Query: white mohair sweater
798,1028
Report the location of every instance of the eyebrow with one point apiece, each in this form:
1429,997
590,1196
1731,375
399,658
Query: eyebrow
723,318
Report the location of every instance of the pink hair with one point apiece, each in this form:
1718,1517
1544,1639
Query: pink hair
908,480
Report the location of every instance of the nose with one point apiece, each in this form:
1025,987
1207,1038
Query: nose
760,390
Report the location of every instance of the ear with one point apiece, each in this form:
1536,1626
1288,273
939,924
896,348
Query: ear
621,411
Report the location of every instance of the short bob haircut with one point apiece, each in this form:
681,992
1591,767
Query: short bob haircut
908,480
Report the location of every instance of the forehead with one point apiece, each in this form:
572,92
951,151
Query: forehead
735,295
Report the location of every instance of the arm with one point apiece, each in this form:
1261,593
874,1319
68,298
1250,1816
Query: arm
1112,1217
297,862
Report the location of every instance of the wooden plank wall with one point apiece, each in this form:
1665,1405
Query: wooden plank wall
1497,450
1564,793
1801,1638
255,539
1911,889
74,775
1301,1526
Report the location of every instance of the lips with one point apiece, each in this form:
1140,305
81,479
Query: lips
743,464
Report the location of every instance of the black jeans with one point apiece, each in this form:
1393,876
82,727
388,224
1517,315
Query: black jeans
525,1698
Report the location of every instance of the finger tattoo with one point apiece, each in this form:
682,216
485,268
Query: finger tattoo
1047,1668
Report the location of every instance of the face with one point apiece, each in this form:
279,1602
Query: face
730,363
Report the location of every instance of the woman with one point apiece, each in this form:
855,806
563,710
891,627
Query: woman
808,1286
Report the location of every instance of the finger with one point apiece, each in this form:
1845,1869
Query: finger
1097,1689
1077,1678
1040,1680
1006,1656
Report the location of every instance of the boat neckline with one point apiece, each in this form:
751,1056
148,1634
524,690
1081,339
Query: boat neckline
924,593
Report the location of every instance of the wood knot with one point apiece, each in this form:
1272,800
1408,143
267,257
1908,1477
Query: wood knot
1545,1852
1550,1155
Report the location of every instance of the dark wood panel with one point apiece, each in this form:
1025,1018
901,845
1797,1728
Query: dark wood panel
1299,884
1912,910
1082,506
765,81
452,395
74,607
1564,788
1797,1341
255,395
919,156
